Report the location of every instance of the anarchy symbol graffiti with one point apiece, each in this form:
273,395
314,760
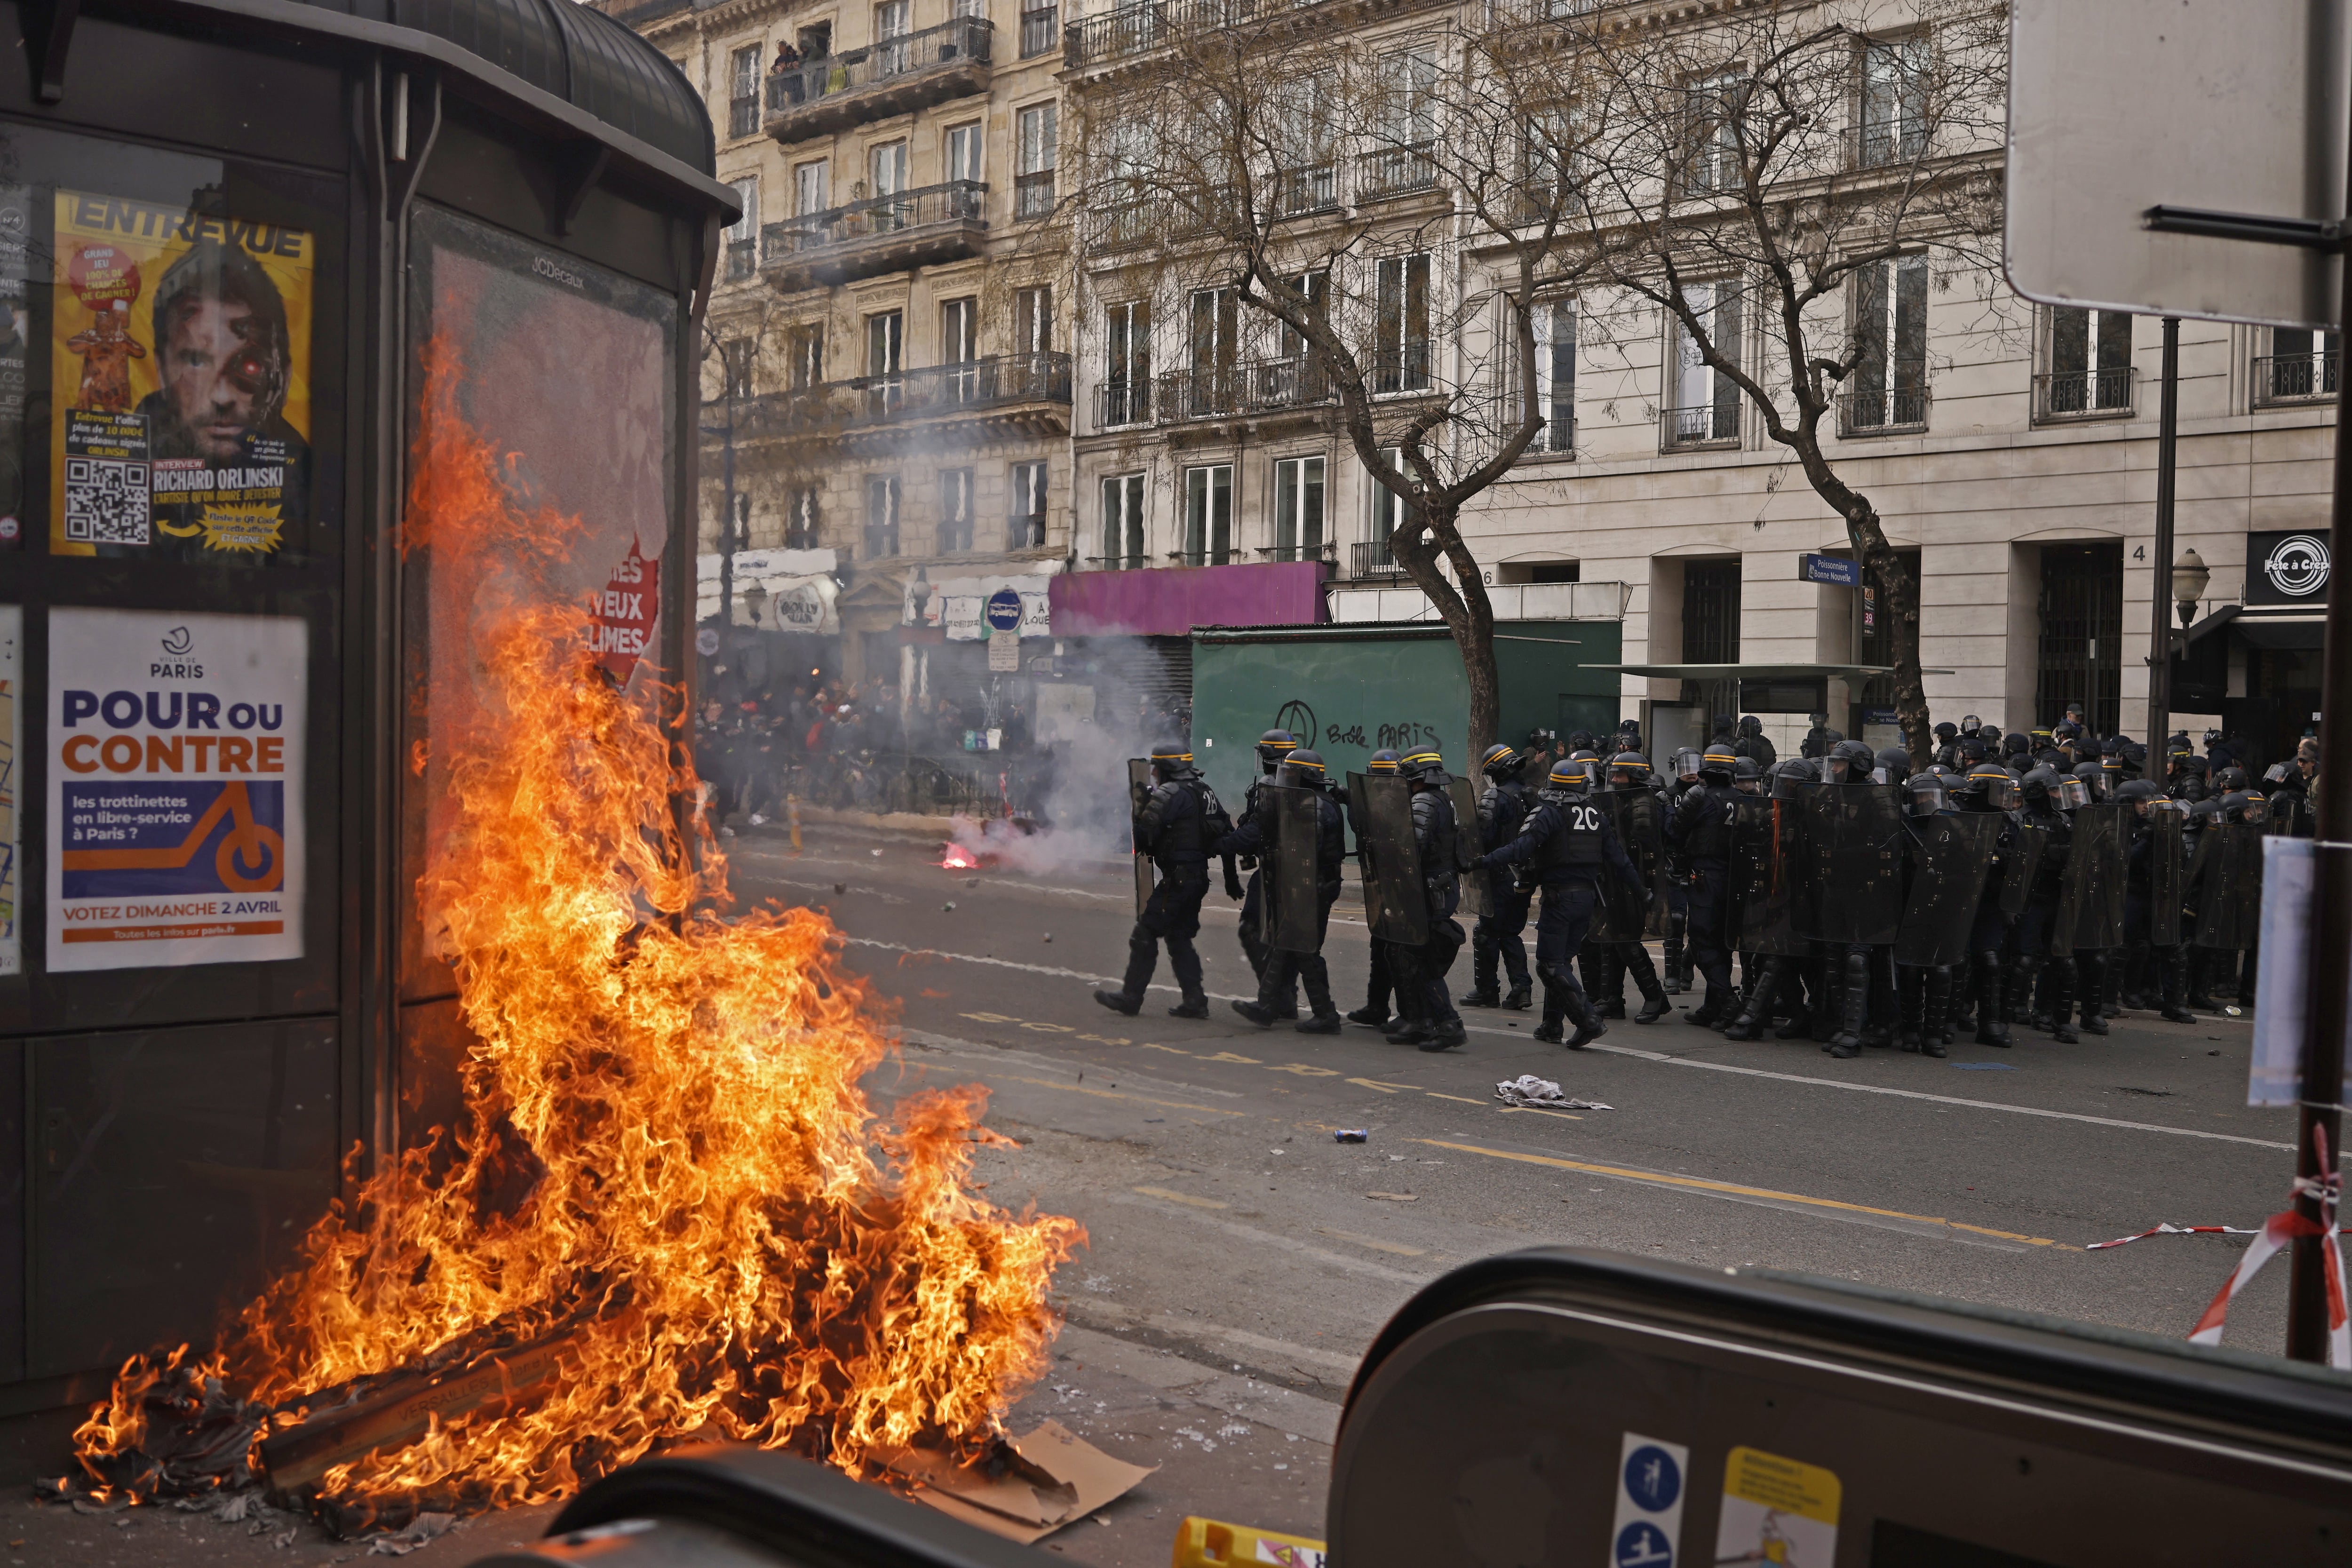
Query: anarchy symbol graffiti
1299,720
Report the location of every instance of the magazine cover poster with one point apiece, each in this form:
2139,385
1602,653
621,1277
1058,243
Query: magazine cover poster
176,787
181,362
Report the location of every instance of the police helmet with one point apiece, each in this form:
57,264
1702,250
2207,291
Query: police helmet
1500,761
1970,725
2213,739
2070,794
2093,778
2246,805
1928,793
1302,769
2015,743
2191,788
1893,766
1423,765
1686,765
1381,762
2230,779
1994,785
2178,744
2039,783
1971,749
1576,773
1275,745
1948,731
1751,725
1172,759
1849,762
1747,777
1719,761
2136,794
1628,770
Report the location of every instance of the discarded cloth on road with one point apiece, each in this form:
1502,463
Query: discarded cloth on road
1542,1094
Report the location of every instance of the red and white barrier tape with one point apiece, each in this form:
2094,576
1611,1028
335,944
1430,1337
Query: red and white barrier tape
2275,1234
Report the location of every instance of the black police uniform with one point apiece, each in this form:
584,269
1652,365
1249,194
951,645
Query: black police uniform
1172,827
2053,1010
1495,939
1700,836
1286,973
1431,1021
1379,979
1253,947
1569,841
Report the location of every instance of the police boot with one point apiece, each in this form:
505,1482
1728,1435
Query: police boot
1879,1005
1517,998
1992,1022
1370,1017
1444,1035
1589,1027
2094,968
1963,1012
2200,998
1749,1025
2111,989
1257,1013
2133,981
1655,1005
2173,970
2063,977
1195,1005
1712,1006
1120,1002
1936,1029
1673,978
1911,1008
1853,1003
1806,978
1485,955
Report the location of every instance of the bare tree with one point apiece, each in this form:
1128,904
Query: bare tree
1787,183
1322,190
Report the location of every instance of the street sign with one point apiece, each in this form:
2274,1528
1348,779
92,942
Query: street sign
2116,107
1838,571
1004,652
1004,611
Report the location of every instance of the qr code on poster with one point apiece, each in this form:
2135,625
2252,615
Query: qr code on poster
106,502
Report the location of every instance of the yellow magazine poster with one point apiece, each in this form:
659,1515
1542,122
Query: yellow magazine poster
180,359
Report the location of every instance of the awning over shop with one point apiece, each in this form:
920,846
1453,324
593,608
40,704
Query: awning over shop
1851,673
2260,630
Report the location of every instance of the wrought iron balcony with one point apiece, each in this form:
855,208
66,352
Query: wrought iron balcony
1885,410
1138,27
1885,145
646,12
920,228
2064,394
2295,378
1031,390
1258,386
1119,402
1395,172
1703,425
1371,559
1032,195
1311,189
743,258
894,76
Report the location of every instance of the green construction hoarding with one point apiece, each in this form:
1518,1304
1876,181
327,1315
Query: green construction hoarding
1356,689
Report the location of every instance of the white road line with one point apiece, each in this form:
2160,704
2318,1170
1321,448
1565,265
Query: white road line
1846,1085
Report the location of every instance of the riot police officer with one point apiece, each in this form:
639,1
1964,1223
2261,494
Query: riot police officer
1175,827
2050,798
2156,875
1381,979
1569,841
1613,944
1991,788
1430,1023
1263,837
1494,940
1678,975
1701,835
1858,977
1272,748
1754,744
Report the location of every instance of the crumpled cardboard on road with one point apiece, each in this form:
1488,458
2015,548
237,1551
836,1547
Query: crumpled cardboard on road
1026,1488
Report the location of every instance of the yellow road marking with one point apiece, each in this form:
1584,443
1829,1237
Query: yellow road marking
1170,1049
1181,1198
1114,1094
1435,1095
1236,1057
1384,1087
1732,1189
1375,1243
1302,1070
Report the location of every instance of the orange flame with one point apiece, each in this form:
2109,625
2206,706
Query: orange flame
959,859
666,1153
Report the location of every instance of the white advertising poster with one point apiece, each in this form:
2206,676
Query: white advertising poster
175,788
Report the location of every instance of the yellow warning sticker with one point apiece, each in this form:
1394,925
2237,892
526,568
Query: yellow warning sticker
1777,1510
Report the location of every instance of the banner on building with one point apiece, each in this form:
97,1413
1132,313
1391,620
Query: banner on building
175,788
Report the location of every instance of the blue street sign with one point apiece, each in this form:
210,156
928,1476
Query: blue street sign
1003,612
1838,571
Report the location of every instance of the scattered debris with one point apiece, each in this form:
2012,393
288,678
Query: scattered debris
1543,1094
1395,1198
840,887
878,854
949,906
1352,1135
1049,936
425,1527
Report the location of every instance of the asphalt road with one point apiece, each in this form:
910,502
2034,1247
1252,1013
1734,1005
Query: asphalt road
1241,1260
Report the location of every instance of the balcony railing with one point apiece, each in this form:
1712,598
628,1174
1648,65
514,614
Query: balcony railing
1119,402
1879,411
743,258
1704,425
952,47
1259,386
1395,172
1121,224
1311,189
805,239
1040,29
1033,195
2086,393
1885,145
946,390
1371,559
649,11
1141,26
2295,378
1193,557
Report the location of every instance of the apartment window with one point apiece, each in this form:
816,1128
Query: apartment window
801,519
1405,115
1893,100
743,236
955,510
1027,527
2089,358
1711,611
1033,320
1122,521
963,152
1034,155
1554,338
743,91
886,349
804,344
735,368
1547,162
1299,509
814,41
1127,362
1215,351
2301,366
1715,107
969,9
1209,515
1385,512
1703,404
959,346
1041,29
881,516
1401,322
1888,388
1302,124
1314,288
812,188
887,163
893,20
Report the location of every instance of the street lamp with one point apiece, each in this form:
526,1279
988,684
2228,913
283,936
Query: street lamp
2188,579
755,599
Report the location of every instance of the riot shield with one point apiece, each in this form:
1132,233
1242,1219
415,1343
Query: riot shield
1764,879
1138,789
2290,816
1464,796
2091,895
1289,918
1366,881
1851,846
2225,885
2168,874
1385,829
1948,862
2023,864
1621,915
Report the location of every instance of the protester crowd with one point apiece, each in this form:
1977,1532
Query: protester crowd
2048,879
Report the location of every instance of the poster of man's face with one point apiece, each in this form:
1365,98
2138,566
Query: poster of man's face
221,341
